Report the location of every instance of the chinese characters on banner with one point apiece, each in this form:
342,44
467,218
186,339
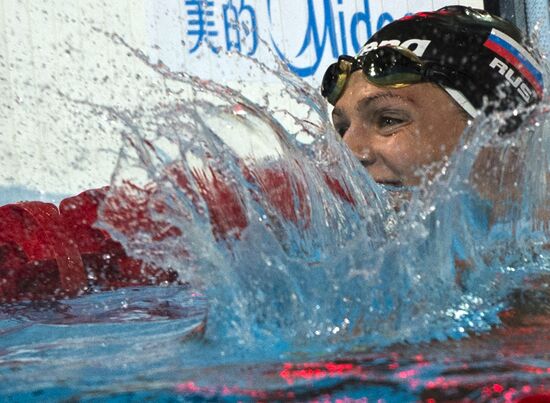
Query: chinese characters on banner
306,34
238,23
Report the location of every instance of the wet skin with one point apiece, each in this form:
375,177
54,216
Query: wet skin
398,134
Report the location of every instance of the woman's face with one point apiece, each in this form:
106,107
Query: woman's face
398,134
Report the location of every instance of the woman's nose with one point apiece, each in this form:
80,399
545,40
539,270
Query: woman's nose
361,146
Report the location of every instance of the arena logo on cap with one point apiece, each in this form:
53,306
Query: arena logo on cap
417,46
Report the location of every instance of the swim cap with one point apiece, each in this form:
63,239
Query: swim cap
488,51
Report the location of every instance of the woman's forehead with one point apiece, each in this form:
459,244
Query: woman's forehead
424,100
359,91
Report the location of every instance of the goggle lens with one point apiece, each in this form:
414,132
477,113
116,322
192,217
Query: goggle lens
384,67
392,67
336,77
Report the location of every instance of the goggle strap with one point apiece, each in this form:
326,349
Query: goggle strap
461,100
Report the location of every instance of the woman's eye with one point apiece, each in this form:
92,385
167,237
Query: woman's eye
388,121
341,130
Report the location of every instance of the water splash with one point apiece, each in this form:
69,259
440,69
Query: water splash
266,212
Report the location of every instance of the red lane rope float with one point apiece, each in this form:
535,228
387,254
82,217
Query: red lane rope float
104,258
34,245
49,253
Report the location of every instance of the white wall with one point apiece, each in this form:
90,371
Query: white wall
53,50
48,46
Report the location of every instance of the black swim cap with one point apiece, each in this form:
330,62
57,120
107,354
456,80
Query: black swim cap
489,52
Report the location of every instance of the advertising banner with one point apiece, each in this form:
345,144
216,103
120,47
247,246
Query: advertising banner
307,35
68,47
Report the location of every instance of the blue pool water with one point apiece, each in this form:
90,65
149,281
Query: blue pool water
148,343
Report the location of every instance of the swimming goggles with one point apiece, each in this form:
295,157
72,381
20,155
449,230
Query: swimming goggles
387,66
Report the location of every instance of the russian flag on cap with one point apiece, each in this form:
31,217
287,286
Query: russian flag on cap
517,56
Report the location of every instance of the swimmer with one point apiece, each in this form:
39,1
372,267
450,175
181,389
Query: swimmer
403,102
